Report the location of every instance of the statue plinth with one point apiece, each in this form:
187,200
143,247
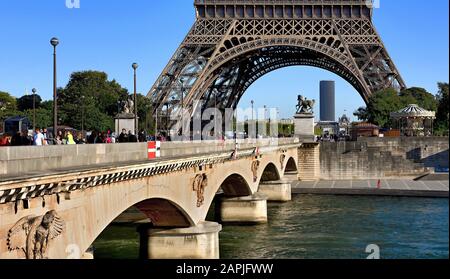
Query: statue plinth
304,126
125,121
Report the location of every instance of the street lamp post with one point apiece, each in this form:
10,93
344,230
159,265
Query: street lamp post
253,102
34,108
236,122
135,66
216,131
82,115
156,125
265,120
182,94
54,42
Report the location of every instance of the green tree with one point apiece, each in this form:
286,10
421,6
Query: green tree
7,102
48,105
8,106
362,114
442,116
386,101
381,104
44,117
420,97
93,93
146,119
26,102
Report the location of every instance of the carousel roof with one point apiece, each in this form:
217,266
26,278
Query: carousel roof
413,111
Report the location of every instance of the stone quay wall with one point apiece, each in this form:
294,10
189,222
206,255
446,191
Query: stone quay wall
376,158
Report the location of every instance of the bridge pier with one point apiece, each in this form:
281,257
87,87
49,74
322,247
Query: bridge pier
291,176
198,242
309,162
276,191
244,210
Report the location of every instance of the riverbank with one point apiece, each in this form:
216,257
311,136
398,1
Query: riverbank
384,187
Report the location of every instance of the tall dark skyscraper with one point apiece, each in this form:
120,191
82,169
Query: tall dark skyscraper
327,101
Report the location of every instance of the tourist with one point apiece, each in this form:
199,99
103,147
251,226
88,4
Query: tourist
70,139
80,138
132,137
25,139
92,137
100,138
5,140
123,136
46,137
108,138
141,136
16,140
20,139
38,139
58,140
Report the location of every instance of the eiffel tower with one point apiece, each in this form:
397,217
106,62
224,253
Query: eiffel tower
235,42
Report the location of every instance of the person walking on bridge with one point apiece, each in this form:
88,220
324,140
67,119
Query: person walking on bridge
38,139
70,139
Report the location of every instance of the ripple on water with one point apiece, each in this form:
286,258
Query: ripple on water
322,227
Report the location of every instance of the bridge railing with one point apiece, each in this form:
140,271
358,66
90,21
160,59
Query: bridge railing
23,188
25,160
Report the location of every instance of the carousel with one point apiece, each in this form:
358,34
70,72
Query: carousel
414,121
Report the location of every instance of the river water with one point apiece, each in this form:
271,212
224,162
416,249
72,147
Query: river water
322,227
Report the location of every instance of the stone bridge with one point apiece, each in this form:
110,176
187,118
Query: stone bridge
59,213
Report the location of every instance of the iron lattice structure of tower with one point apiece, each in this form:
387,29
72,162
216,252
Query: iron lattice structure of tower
234,42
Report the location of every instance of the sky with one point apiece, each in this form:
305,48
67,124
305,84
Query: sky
109,35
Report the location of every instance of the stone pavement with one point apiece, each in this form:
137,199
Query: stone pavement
400,187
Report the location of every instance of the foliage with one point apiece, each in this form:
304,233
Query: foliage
386,101
44,117
26,102
419,96
92,94
8,106
362,114
381,104
442,116
144,106
47,105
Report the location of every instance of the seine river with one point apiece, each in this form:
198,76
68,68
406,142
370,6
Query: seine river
322,227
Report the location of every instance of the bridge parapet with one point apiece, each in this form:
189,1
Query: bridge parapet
26,160
58,183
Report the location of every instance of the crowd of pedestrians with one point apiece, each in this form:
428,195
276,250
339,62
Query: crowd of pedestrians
42,137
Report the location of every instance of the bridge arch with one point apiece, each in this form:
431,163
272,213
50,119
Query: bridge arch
161,212
232,72
235,185
270,173
291,165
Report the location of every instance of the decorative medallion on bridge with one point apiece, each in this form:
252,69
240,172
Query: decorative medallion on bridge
32,234
282,158
255,167
199,185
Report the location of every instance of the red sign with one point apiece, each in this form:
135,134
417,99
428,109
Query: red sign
154,149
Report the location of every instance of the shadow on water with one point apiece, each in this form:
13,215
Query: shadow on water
317,227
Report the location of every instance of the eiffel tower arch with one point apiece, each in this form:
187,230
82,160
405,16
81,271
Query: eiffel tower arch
235,42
